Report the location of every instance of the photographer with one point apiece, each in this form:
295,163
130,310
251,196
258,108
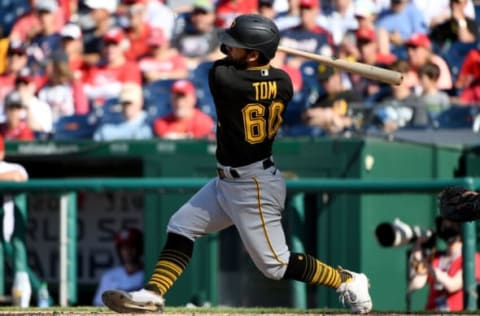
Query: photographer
442,270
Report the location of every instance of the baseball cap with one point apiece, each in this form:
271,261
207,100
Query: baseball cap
24,75
109,5
131,92
364,8
324,71
157,37
2,143
419,40
71,30
204,5
130,236
365,34
46,5
183,87
114,35
309,3
17,47
13,99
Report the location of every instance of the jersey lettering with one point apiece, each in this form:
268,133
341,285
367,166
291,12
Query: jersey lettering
265,90
256,126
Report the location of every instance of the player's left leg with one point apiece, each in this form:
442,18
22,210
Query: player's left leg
199,216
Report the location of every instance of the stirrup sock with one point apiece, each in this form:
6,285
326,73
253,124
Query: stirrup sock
172,262
305,268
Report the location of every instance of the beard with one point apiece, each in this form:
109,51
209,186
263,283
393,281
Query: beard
239,64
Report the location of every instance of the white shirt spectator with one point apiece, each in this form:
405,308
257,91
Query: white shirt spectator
339,24
117,278
60,100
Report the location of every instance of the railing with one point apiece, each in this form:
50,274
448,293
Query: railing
296,188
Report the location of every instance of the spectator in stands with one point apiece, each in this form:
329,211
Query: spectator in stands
308,35
227,10
470,69
366,13
15,127
368,52
196,35
28,25
72,45
397,24
129,274
438,11
104,81
38,114
396,110
470,95
434,100
340,20
289,18
16,60
62,92
137,30
102,14
157,15
331,111
134,125
458,28
419,51
162,61
266,8
47,39
185,121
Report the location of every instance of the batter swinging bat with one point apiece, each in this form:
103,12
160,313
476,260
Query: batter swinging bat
362,69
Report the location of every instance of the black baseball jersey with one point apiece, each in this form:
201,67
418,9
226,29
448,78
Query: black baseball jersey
250,106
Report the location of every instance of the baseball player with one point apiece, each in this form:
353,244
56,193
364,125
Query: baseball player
250,98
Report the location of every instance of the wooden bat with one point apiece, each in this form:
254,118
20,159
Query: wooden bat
362,69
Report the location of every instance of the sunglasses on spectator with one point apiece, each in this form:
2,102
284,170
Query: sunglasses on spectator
126,103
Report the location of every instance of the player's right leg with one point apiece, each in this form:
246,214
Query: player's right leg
353,288
199,216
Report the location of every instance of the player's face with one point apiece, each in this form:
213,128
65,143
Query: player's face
238,56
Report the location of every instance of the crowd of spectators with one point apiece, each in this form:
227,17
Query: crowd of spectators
135,69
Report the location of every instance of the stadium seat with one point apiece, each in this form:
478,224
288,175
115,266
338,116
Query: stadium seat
110,112
75,127
455,117
157,98
10,10
199,78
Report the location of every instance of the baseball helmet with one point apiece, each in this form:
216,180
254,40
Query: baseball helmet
252,31
130,236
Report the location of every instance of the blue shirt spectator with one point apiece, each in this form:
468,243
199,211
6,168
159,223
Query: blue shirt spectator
134,125
401,21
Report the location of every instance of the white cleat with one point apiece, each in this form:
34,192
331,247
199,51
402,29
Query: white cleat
142,301
354,292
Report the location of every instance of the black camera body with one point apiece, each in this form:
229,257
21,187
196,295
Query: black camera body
399,233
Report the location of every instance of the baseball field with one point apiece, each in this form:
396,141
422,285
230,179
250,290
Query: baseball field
181,311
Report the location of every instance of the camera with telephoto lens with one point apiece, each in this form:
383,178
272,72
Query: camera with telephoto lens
399,233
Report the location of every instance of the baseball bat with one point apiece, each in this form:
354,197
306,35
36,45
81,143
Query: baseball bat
362,69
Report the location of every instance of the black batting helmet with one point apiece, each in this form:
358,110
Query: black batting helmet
252,31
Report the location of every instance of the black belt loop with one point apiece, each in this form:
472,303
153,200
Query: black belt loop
267,163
